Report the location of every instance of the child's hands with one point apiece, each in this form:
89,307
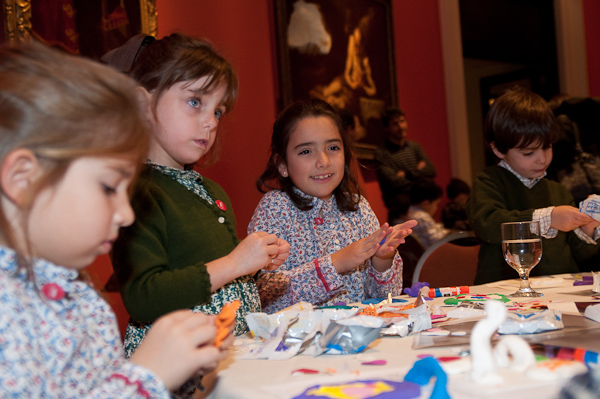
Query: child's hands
284,251
349,258
567,218
178,346
395,237
590,227
257,251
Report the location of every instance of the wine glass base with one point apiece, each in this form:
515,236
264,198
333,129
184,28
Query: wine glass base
526,293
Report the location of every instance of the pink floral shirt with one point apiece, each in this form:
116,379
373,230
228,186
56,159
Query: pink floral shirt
308,273
61,340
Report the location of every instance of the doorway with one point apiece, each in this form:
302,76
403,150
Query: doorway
505,43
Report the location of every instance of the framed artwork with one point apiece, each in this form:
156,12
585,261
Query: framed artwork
87,27
343,53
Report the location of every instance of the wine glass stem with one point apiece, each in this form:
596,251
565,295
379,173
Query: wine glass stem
524,279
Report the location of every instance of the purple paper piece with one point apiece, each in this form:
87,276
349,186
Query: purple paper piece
415,289
339,304
375,363
281,347
583,282
366,389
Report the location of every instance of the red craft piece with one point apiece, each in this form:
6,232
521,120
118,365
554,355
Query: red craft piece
318,221
53,291
221,205
306,371
448,358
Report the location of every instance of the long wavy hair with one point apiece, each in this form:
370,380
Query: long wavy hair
347,193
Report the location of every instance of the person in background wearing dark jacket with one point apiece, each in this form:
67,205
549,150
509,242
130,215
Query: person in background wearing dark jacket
400,162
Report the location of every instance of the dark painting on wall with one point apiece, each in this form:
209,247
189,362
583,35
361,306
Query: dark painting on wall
86,27
342,52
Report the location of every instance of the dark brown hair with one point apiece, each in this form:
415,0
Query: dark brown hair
519,118
389,114
347,193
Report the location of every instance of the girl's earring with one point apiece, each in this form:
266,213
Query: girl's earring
284,174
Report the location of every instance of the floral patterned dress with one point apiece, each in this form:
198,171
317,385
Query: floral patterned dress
60,339
308,273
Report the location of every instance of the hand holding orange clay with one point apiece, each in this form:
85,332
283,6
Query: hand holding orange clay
225,321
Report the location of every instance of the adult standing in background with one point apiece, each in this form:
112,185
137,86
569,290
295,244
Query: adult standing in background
400,162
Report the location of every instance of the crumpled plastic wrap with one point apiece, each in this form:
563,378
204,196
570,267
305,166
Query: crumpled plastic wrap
418,319
531,322
591,206
351,335
296,329
302,329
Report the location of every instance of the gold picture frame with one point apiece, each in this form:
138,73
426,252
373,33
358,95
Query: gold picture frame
18,26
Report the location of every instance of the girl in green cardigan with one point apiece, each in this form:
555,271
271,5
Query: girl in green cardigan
520,130
182,251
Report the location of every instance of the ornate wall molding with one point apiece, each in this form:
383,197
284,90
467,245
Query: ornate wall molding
17,21
149,17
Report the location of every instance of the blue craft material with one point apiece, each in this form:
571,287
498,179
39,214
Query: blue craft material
421,374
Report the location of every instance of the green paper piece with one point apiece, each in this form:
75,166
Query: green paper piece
457,300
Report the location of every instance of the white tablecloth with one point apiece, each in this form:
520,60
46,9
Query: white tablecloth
265,379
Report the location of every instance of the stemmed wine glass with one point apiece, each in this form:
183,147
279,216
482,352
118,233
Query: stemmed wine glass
522,249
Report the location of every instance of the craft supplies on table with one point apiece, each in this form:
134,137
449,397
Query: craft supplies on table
389,358
448,291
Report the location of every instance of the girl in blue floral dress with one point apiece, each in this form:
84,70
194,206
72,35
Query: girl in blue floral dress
339,252
72,138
